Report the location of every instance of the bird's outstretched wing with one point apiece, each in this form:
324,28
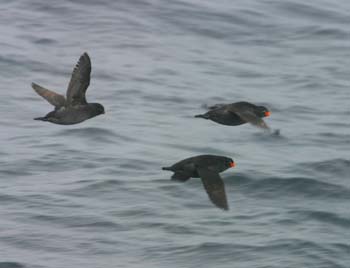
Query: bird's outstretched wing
250,117
79,82
214,187
53,98
216,106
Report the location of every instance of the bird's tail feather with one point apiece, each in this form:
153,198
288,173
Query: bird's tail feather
41,118
202,116
166,168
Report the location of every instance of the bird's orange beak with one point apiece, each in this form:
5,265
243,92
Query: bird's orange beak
268,113
232,164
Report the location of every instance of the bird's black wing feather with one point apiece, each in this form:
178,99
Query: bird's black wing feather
79,82
216,106
250,118
214,186
53,98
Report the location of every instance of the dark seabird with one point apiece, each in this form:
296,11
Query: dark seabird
206,167
74,108
238,113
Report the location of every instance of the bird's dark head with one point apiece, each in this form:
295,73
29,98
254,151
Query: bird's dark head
262,111
229,163
99,109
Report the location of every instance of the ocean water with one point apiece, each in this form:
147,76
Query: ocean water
94,195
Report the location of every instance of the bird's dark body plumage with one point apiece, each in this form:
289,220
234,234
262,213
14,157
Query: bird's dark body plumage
74,108
238,113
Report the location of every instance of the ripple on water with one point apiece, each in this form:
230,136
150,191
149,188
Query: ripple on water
88,131
322,217
9,199
39,41
11,265
295,186
334,167
79,221
96,188
96,134
222,253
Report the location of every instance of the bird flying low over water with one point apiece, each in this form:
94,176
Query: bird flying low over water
206,167
237,113
74,108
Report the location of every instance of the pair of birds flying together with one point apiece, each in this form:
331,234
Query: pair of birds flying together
74,109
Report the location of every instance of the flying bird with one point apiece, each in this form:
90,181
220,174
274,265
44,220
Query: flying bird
73,108
237,113
206,167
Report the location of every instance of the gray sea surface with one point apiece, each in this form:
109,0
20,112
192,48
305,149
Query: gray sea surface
94,195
